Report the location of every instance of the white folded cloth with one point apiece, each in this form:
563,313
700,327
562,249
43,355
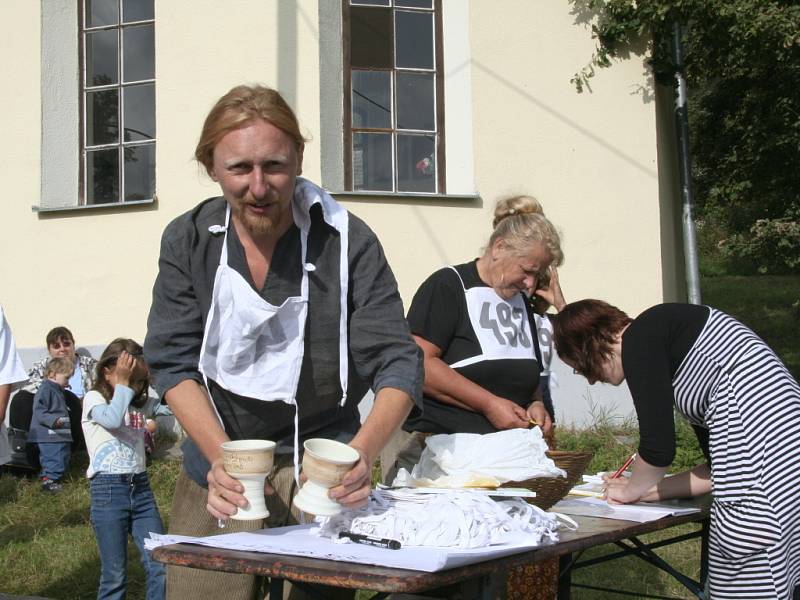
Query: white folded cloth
456,519
473,460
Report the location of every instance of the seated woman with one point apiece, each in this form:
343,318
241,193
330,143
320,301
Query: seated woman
60,343
745,408
476,328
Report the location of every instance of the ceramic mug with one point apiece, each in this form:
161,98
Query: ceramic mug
250,461
325,463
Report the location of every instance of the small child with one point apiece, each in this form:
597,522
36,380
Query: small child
121,499
50,424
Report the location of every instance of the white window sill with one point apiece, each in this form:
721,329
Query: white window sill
403,196
89,207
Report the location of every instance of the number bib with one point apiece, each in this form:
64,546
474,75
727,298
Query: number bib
501,326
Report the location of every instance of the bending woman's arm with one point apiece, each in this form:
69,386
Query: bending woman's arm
688,484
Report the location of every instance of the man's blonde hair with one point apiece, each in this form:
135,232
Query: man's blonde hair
238,107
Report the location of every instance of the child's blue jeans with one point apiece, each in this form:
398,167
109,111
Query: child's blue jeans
54,458
122,505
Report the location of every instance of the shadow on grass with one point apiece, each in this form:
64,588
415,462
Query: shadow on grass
83,581
75,517
8,491
78,584
16,534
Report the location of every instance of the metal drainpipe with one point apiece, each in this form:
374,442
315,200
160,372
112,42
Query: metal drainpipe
685,167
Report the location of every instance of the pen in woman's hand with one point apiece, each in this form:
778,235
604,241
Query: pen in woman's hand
627,464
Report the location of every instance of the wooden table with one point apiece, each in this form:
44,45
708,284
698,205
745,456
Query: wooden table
480,580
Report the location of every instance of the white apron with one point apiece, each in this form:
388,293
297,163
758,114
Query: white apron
501,326
11,371
255,349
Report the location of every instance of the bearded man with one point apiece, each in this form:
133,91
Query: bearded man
273,311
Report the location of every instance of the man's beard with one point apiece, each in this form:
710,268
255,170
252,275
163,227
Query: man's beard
259,224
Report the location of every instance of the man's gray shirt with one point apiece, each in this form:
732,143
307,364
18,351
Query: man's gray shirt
382,352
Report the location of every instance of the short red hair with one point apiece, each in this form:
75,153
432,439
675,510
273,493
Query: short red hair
584,332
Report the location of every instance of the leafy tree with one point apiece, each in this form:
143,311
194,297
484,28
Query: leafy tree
742,66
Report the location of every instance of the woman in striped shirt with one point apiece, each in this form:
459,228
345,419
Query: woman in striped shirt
745,408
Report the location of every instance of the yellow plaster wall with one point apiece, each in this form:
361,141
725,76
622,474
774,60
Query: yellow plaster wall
590,159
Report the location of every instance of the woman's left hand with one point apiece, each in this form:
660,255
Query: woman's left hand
356,484
537,412
553,294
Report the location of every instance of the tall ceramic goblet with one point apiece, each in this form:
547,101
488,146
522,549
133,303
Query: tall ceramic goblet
325,463
250,461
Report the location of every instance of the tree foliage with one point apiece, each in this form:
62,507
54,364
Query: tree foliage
742,66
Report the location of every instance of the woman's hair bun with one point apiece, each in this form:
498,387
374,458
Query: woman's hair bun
515,205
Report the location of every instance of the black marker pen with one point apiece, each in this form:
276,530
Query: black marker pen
359,538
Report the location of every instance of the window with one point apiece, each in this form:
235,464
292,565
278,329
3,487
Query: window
393,96
118,130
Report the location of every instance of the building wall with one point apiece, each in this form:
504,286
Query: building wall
591,159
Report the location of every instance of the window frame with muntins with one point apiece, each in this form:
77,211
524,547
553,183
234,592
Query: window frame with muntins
128,115
416,136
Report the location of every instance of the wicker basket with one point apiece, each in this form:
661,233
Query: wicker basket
550,490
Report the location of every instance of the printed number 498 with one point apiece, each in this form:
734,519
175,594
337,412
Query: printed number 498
507,326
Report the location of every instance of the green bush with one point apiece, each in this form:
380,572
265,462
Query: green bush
771,246
711,236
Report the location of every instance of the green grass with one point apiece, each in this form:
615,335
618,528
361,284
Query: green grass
768,304
47,545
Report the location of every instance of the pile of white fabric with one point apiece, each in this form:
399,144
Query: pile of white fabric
451,519
461,460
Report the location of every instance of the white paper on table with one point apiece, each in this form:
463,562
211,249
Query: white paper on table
596,490
297,540
641,512
414,493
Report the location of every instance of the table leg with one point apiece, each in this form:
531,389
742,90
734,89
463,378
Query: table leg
704,532
565,562
490,588
276,588
645,553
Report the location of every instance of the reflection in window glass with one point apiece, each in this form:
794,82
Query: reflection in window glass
415,101
138,51
372,162
137,10
371,37
101,12
119,125
414,39
101,57
416,163
414,3
140,172
393,120
139,112
102,176
102,117
372,99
